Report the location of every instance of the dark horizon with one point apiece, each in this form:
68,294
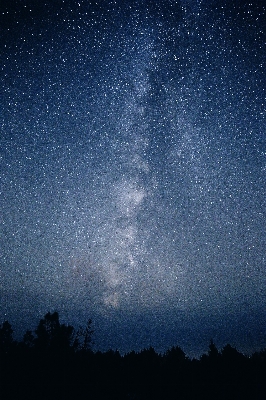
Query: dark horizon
145,331
124,334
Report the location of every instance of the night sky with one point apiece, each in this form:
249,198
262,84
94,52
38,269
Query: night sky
133,162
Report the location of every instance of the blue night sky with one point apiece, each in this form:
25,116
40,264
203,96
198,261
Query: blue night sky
133,162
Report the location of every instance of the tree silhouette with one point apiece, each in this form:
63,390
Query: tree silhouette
176,354
28,339
231,355
83,338
53,336
6,338
213,352
58,362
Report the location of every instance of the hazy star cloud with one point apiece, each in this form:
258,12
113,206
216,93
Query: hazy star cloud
133,164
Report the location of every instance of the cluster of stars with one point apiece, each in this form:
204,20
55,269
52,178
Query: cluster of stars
133,158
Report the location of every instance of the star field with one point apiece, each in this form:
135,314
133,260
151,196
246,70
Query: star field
133,159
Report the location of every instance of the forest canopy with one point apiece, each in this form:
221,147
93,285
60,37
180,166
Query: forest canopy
58,361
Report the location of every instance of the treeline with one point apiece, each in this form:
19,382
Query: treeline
56,361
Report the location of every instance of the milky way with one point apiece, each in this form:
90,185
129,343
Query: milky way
133,159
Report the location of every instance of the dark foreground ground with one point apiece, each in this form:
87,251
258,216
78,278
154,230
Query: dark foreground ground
145,375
